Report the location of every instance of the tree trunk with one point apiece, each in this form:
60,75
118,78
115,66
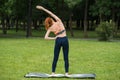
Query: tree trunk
35,24
85,20
17,25
118,23
92,25
29,28
97,21
67,23
3,26
24,26
113,12
101,18
82,24
8,22
78,23
113,19
70,26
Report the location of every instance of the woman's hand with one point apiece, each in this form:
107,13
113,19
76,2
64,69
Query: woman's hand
39,7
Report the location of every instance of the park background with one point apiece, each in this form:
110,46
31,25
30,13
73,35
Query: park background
92,26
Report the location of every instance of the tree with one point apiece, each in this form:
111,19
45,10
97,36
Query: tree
2,11
29,27
101,8
106,10
115,12
5,12
20,12
85,19
78,14
71,4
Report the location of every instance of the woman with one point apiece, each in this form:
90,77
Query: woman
56,26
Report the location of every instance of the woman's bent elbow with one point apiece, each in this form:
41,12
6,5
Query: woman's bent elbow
45,38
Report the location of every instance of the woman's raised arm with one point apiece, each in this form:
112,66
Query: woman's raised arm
49,12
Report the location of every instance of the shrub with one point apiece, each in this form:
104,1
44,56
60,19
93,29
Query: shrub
105,31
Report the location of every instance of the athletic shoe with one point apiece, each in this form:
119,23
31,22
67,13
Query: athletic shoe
67,75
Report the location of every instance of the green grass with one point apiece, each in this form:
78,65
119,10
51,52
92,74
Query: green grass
19,56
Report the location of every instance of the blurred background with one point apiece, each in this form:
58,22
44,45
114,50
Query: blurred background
79,16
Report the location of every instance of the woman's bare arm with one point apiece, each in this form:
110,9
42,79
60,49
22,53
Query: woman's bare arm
49,12
47,35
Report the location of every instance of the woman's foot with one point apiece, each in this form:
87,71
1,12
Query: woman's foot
53,74
67,75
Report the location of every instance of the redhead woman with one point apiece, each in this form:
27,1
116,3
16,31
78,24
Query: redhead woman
56,26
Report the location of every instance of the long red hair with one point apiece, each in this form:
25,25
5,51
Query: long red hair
48,23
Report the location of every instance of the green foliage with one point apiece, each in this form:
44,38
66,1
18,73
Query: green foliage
105,31
101,7
78,10
116,5
72,3
20,9
6,7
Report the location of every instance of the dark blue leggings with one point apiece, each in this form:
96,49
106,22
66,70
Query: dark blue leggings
61,42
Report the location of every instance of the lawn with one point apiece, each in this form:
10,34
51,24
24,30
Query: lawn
19,56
